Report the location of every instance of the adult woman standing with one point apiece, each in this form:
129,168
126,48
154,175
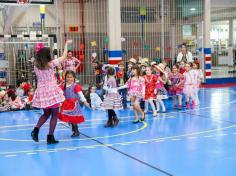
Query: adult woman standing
185,55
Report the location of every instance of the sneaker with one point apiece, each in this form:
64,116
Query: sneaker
155,114
75,134
136,121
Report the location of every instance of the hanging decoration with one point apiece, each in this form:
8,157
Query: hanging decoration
73,28
169,48
136,44
122,39
42,9
146,47
136,55
143,14
81,46
94,55
158,48
157,60
69,48
94,43
106,39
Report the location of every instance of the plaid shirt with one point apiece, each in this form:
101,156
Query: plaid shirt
70,64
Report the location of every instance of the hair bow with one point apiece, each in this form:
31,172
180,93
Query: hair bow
38,47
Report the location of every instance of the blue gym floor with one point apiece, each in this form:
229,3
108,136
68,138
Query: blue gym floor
200,142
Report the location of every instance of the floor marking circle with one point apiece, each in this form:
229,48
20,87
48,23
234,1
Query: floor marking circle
122,143
84,139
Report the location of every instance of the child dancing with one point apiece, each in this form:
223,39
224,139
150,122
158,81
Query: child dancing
48,94
70,111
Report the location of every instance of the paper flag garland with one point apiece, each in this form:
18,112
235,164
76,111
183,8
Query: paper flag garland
69,48
81,46
168,48
158,49
122,39
143,11
135,55
106,39
94,55
146,47
136,44
94,43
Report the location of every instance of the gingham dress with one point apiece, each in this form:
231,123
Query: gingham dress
47,93
113,100
136,87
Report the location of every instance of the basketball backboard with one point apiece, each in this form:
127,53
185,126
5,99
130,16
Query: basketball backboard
31,1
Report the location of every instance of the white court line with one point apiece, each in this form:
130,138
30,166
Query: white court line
31,153
177,139
193,137
70,149
222,134
141,142
208,136
52,151
89,147
8,156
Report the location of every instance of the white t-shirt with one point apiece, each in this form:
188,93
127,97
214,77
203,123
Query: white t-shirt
189,57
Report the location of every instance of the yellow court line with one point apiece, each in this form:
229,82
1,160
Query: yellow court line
84,139
120,143
64,128
33,124
210,107
86,125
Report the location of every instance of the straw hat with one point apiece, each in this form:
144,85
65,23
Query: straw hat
153,63
133,60
143,64
160,67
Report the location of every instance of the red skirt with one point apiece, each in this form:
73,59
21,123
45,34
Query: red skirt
70,112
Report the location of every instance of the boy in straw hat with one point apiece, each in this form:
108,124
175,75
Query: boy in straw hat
131,63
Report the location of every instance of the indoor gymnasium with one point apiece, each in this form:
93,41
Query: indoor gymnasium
117,87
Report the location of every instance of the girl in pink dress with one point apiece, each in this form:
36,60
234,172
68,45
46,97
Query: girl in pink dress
136,91
199,75
150,83
190,80
48,94
176,88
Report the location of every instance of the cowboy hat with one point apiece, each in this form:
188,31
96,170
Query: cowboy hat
133,60
153,63
160,67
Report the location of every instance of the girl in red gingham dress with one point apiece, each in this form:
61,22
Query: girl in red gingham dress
48,94
70,110
150,84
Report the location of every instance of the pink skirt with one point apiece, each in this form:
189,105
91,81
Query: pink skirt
48,97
